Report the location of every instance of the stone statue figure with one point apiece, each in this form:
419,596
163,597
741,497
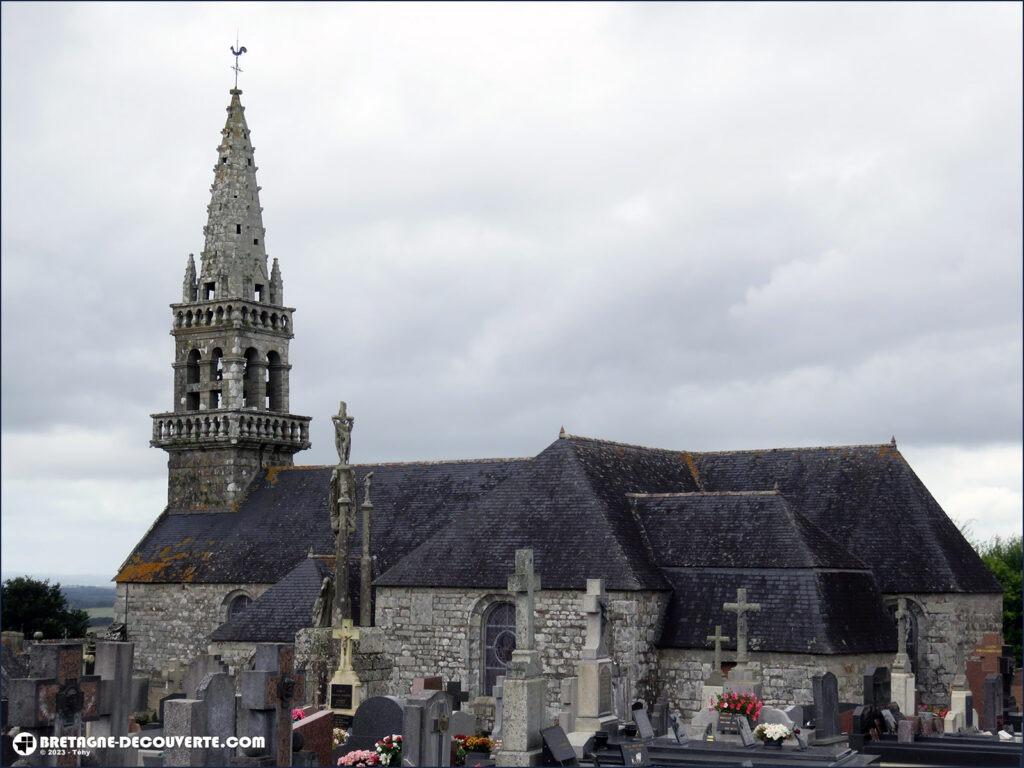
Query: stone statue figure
335,493
343,433
367,482
324,603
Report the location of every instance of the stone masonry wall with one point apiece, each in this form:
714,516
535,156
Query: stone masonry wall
170,624
439,632
786,677
949,627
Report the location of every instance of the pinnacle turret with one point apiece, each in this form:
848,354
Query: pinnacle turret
234,258
190,285
276,285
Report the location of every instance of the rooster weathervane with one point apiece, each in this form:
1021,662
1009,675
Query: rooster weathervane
236,54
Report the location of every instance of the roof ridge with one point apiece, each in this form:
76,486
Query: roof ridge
772,492
603,441
423,462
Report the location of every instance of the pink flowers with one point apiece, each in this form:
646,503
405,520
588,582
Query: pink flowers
297,714
359,757
745,704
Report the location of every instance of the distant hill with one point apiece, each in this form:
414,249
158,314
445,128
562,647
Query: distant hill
89,597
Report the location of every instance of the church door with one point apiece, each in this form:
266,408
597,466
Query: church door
499,642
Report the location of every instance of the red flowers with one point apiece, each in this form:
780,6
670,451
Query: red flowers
746,704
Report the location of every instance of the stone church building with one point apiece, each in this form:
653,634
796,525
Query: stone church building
825,539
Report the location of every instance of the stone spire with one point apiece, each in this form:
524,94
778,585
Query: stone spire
234,258
276,285
189,285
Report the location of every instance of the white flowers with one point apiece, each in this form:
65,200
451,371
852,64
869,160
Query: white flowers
772,731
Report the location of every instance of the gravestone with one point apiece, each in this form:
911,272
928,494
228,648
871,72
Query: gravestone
716,679
268,692
557,749
162,707
114,666
877,690
746,735
678,731
377,717
644,728
991,711
801,741
525,685
462,723
704,720
426,738
184,717
57,699
217,692
659,717
197,670
795,712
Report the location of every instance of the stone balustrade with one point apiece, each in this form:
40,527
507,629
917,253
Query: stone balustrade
249,314
222,426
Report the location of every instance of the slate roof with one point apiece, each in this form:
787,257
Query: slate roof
457,524
285,514
709,544
281,611
802,610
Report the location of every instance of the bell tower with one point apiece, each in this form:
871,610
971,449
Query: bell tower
231,333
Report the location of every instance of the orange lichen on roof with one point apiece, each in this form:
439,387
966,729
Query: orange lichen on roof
888,450
687,458
273,472
139,570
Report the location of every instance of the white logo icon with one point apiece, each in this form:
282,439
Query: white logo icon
24,744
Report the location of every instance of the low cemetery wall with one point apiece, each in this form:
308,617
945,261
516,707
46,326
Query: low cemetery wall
786,677
170,624
429,631
949,626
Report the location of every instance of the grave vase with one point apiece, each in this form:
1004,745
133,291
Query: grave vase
774,743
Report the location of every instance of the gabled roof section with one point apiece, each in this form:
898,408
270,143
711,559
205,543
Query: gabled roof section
281,611
568,504
285,515
748,529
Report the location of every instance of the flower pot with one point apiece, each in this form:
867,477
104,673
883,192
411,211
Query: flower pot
773,743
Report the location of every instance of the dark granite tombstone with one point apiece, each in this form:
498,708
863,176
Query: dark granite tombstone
459,697
826,707
659,717
634,754
877,687
969,714
643,724
557,749
991,704
377,717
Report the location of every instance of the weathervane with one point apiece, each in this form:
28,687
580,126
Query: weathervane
236,54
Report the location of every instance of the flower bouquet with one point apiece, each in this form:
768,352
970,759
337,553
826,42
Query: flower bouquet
772,734
738,705
477,744
364,757
340,736
389,750
297,714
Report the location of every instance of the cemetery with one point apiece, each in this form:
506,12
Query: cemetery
597,603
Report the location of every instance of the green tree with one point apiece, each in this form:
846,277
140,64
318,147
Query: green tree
30,605
1004,558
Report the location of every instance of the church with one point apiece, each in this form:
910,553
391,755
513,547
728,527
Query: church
825,540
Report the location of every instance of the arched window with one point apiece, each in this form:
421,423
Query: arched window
499,630
251,380
238,604
192,377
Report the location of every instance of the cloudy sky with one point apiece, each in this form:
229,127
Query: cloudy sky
691,226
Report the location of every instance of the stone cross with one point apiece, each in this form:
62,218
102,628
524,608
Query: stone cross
902,661
740,608
718,638
273,687
366,562
523,583
58,697
595,606
347,635
343,524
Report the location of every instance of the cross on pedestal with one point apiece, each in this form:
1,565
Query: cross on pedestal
274,686
902,661
523,583
718,638
741,607
595,607
61,699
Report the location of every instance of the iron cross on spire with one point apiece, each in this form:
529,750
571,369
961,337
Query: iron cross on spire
236,53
